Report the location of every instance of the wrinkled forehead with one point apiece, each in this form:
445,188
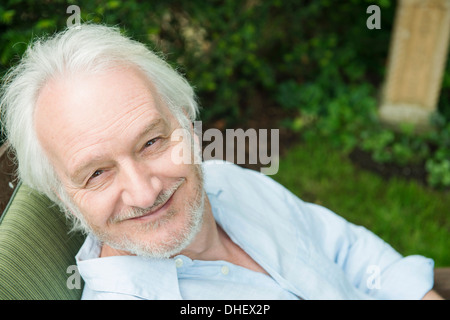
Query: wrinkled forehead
83,93
79,110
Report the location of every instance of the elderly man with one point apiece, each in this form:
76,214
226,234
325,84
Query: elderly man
91,116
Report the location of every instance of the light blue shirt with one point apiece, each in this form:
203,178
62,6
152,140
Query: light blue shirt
308,251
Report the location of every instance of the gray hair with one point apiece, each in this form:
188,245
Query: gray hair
86,48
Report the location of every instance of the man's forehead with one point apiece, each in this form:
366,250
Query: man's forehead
83,92
93,100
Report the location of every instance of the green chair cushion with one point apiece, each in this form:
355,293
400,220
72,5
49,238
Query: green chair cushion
37,252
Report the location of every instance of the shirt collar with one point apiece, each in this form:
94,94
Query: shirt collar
129,273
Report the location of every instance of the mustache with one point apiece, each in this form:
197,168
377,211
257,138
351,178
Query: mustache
135,212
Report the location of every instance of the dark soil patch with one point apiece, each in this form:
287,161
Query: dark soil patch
7,178
363,159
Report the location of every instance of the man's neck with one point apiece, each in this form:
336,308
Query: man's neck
210,242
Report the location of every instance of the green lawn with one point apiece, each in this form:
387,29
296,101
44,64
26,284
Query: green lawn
412,218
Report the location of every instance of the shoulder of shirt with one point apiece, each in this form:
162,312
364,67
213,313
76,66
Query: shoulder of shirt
220,176
238,184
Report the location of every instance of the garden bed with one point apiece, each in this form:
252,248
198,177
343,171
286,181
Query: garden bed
363,160
7,181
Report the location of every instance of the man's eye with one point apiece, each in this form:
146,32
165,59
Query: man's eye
96,174
150,142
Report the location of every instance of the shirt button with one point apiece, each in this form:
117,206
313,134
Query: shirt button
178,262
225,270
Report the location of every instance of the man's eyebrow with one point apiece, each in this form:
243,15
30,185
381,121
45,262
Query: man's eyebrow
152,126
91,161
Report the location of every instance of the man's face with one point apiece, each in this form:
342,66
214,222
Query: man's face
109,139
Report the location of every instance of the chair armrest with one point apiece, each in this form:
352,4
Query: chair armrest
442,282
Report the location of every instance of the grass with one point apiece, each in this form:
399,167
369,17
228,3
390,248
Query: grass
412,218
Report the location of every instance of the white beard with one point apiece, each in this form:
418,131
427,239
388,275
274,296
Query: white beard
173,244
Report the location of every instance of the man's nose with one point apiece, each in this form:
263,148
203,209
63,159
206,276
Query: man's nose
139,186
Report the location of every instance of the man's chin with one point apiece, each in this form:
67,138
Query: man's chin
149,249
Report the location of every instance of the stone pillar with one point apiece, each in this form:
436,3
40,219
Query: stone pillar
417,58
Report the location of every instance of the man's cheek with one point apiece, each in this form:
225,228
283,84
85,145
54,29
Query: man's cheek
95,210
